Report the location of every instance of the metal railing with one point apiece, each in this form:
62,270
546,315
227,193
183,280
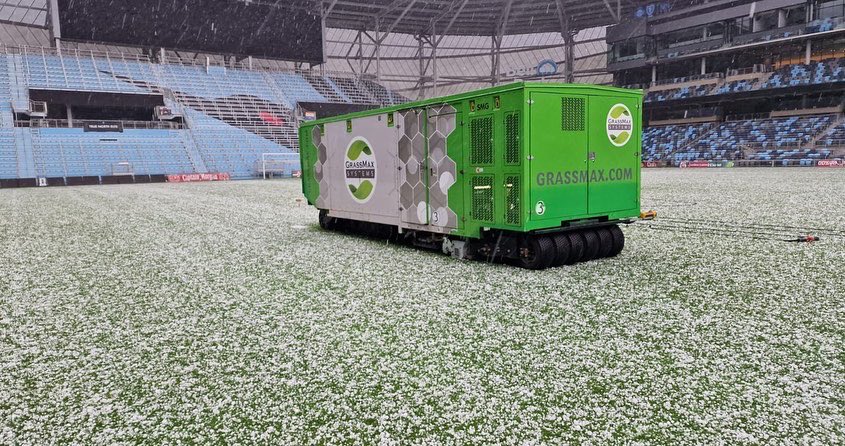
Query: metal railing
681,80
760,68
80,123
108,57
747,117
830,143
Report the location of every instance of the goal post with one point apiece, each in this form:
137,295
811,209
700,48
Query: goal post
284,165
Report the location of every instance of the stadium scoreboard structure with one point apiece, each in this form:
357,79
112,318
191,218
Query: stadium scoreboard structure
281,30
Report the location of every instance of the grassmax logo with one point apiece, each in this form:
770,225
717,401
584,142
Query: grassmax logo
620,125
360,170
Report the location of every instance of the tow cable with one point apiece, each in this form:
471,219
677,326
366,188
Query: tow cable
757,231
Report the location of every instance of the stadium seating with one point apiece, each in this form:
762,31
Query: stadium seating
767,139
835,137
824,72
296,88
72,153
678,93
660,142
353,91
734,87
6,115
8,154
816,73
225,148
83,73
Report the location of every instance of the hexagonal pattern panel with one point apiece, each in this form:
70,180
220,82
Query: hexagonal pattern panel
440,174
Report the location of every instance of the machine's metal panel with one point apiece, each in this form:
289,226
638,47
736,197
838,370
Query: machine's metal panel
358,171
614,155
559,148
413,168
442,170
426,172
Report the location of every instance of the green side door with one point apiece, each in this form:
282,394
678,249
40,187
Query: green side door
614,155
558,156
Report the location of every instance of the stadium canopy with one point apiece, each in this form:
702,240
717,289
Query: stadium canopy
474,17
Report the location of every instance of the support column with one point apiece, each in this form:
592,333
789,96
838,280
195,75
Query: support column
360,55
703,66
69,117
433,42
421,94
568,35
653,74
781,18
378,51
569,63
808,52
55,29
496,55
493,60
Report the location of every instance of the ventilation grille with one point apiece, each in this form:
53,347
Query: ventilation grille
572,114
482,198
512,138
512,203
481,140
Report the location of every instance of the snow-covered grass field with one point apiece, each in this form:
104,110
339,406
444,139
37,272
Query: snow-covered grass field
220,314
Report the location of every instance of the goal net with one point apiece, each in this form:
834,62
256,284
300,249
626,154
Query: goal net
280,165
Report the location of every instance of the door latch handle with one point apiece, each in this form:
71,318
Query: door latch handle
592,156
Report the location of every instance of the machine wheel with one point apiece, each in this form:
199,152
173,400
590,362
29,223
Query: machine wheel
618,241
591,245
576,245
563,249
538,252
326,222
605,242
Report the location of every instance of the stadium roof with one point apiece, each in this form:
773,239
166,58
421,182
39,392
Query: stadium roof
453,17
474,17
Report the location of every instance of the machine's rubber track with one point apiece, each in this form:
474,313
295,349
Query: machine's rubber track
591,245
563,249
577,251
605,242
575,246
618,241
538,252
530,251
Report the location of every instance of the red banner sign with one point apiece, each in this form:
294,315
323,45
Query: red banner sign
700,164
198,177
651,164
830,163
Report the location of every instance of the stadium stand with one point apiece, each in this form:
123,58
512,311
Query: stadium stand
661,142
754,139
777,74
62,152
8,154
835,137
823,72
232,115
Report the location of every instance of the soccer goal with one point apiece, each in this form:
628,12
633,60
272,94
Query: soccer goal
280,165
